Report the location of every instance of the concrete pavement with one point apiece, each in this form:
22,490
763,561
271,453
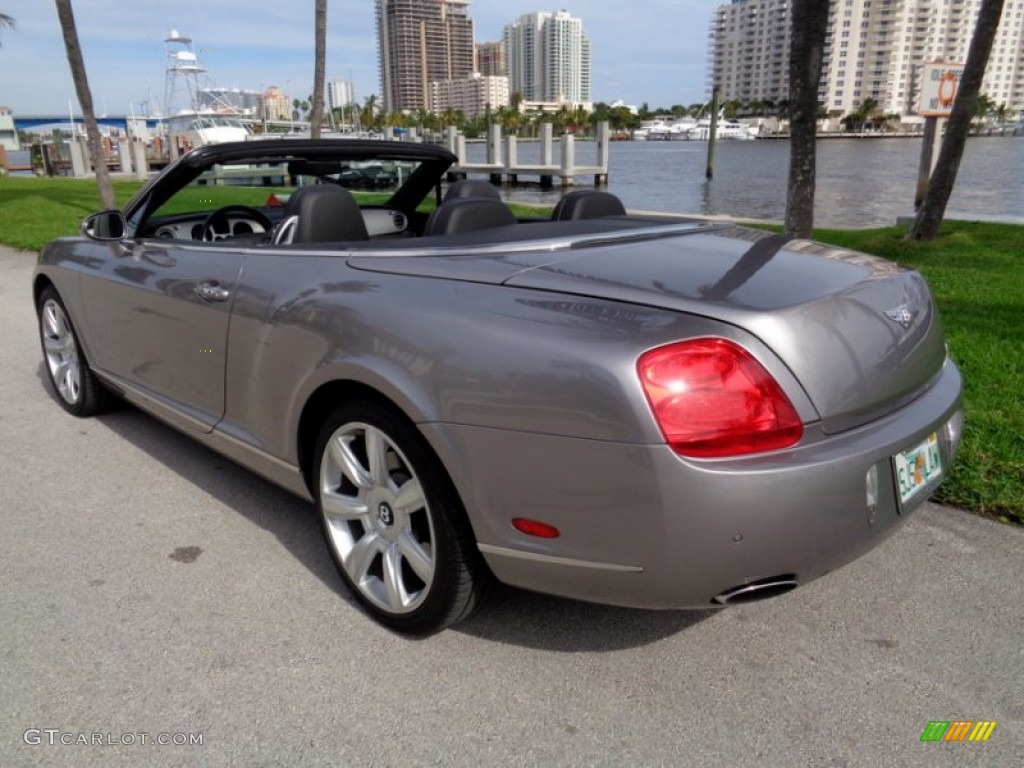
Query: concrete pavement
152,587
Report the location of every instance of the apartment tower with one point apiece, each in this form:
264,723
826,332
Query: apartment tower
419,42
548,58
874,50
490,59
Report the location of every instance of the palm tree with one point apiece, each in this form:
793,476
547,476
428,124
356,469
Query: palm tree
940,187
984,108
1001,113
450,116
92,130
806,51
7,21
515,101
424,120
562,119
867,112
394,120
368,114
580,117
506,118
319,57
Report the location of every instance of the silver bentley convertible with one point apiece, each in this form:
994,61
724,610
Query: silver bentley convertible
639,410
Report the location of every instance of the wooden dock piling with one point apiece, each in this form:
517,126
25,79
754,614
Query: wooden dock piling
502,161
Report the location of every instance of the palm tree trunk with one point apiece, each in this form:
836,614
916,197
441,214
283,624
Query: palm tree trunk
92,131
806,50
319,62
940,187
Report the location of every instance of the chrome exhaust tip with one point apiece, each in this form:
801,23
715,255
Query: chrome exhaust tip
762,589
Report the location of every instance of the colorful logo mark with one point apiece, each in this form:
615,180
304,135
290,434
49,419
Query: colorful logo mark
958,730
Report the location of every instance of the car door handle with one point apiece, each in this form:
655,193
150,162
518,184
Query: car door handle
212,291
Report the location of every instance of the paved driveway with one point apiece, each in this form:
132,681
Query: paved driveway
150,587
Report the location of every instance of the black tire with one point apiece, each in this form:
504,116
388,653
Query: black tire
396,521
77,389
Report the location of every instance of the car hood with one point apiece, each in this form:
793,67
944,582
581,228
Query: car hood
860,333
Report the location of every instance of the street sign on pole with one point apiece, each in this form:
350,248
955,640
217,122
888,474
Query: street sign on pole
939,84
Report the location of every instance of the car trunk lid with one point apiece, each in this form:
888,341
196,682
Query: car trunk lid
860,334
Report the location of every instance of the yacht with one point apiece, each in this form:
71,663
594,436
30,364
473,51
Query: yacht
201,128
725,129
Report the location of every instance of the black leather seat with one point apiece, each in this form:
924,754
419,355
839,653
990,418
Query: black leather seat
323,213
468,214
587,204
471,188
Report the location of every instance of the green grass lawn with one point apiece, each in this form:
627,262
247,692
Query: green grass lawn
34,211
976,272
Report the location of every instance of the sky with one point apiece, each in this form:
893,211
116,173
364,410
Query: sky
657,54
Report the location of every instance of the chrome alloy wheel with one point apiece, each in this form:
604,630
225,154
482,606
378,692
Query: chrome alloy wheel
377,518
61,352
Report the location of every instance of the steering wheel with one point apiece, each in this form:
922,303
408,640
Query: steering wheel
217,226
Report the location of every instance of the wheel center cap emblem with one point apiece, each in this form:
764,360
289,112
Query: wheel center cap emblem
386,514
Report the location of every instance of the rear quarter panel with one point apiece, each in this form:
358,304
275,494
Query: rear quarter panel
445,352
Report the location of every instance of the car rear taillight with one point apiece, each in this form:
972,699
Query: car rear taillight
712,399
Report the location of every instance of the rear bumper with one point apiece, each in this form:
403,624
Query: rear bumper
642,527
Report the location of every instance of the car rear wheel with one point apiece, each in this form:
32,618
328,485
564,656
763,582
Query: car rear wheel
393,521
78,390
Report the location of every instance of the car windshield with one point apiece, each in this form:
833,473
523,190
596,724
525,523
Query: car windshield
372,182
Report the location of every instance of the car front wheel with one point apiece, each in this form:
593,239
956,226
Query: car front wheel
393,521
78,390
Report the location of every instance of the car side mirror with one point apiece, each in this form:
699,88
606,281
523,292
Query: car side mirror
105,226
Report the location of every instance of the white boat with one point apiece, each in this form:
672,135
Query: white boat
201,128
651,130
677,130
196,125
681,128
725,129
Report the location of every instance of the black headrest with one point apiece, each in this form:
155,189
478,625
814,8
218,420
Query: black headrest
468,214
326,213
471,188
587,204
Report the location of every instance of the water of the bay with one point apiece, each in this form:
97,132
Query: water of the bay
860,182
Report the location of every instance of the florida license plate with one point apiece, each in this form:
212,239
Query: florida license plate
918,468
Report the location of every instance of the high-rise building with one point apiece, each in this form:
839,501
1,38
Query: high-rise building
339,94
276,104
420,41
750,50
874,49
548,58
490,59
472,95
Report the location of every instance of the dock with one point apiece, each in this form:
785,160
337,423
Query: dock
503,167
132,155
